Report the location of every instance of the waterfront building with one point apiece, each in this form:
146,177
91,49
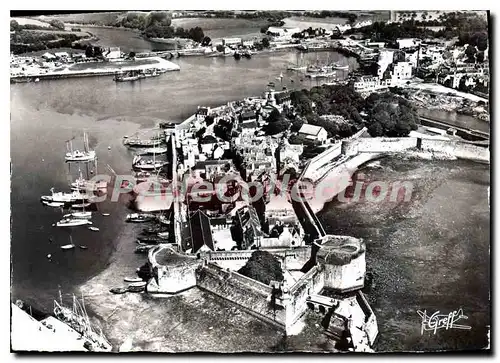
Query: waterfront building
113,53
231,41
401,72
48,56
313,133
248,127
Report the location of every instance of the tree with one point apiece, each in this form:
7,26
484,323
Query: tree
14,25
265,43
131,55
470,52
56,23
196,34
480,57
274,115
89,51
206,41
263,267
351,18
390,115
219,48
209,120
273,128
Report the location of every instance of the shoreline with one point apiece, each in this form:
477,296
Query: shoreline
67,73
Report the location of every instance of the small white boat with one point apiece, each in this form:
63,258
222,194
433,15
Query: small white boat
68,247
154,150
68,222
140,217
58,197
92,228
132,279
81,205
53,204
79,215
83,247
49,256
78,155
106,214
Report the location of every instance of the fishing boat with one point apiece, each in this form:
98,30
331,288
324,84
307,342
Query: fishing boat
87,185
58,197
92,228
83,247
143,248
139,217
154,230
106,214
142,142
121,77
137,286
132,279
142,164
340,67
68,247
81,205
77,318
119,290
77,155
237,55
149,164
247,54
68,222
151,239
154,150
163,219
53,204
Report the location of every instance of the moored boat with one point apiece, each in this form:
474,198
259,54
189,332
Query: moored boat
68,247
53,204
77,318
154,150
142,142
77,155
139,217
137,286
92,228
118,290
79,215
132,279
68,222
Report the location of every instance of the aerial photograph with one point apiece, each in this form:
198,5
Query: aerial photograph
250,181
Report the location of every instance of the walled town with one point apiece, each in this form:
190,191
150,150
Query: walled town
229,196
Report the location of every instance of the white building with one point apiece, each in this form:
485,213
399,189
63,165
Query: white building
313,133
402,71
408,42
367,84
231,41
113,53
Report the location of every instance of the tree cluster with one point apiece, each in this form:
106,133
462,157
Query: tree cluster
390,115
276,123
262,266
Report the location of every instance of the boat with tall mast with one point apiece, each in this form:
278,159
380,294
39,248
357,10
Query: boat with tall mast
77,318
77,155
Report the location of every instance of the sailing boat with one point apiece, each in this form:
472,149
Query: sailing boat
79,215
69,246
77,155
141,164
91,186
77,318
